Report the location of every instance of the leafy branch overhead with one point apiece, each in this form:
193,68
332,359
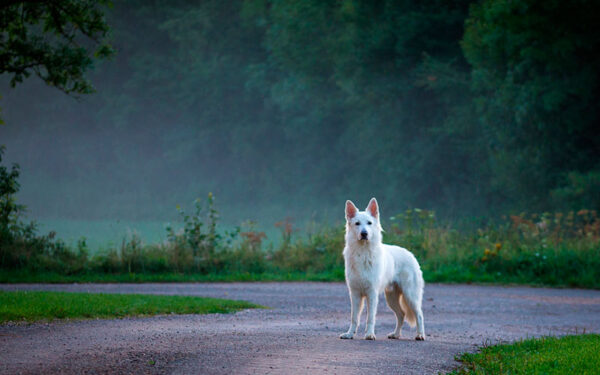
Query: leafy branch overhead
57,40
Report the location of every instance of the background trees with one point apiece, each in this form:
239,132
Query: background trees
55,40
287,108
535,82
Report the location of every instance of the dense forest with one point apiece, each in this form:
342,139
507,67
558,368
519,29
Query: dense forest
287,108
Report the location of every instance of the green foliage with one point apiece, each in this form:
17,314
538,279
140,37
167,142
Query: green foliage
469,108
34,306
578,190
535,88
546,355
9,209
203,242
55,40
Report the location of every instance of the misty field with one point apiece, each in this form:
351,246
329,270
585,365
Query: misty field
558,249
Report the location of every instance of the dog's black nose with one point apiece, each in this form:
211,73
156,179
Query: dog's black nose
363,235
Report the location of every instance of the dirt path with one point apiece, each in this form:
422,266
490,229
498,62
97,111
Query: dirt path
298,335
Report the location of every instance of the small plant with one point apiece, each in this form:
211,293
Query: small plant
413,221
287,228
488,254
251,237
10,211
132,254
199,233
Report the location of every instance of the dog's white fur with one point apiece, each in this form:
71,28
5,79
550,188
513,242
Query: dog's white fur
373,267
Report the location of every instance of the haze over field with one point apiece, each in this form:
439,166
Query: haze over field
287,109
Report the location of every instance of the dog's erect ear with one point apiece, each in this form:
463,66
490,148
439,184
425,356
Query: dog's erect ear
351,210
373,208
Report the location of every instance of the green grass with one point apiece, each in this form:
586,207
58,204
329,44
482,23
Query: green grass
26,276
547,355
34,306
447,274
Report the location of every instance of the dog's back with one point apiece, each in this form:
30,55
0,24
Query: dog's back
409,278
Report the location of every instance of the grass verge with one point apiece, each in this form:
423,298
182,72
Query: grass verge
547,355
26,276
34,306
446,274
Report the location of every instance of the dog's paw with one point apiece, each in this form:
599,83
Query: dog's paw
346,335
393,336
370,336
420,338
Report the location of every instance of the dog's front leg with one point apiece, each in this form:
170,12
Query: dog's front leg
372,301
356,301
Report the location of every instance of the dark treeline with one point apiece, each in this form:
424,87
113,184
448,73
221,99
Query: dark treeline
287,108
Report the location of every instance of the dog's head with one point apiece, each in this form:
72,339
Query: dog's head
363,226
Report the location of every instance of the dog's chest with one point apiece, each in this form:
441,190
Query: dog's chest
362,269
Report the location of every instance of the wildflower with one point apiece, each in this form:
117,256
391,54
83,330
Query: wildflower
487,251
498,246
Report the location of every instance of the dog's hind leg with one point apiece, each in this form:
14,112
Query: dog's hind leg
415,306
356,300
392,297
420,325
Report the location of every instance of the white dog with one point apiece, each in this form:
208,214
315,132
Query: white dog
373,267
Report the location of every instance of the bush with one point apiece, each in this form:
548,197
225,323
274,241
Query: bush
20,244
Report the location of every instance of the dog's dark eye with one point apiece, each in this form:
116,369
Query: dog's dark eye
369,223
357,223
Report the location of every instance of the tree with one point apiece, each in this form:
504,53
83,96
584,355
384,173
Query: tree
9,186
536,89
56,40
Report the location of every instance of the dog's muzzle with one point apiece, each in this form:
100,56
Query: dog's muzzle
364,235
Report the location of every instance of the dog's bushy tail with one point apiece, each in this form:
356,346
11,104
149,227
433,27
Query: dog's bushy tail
409,315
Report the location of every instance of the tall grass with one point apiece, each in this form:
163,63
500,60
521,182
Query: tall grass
551,248
547,249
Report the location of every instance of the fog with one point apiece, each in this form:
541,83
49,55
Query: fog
282,111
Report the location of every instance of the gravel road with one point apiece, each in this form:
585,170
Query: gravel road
298,335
